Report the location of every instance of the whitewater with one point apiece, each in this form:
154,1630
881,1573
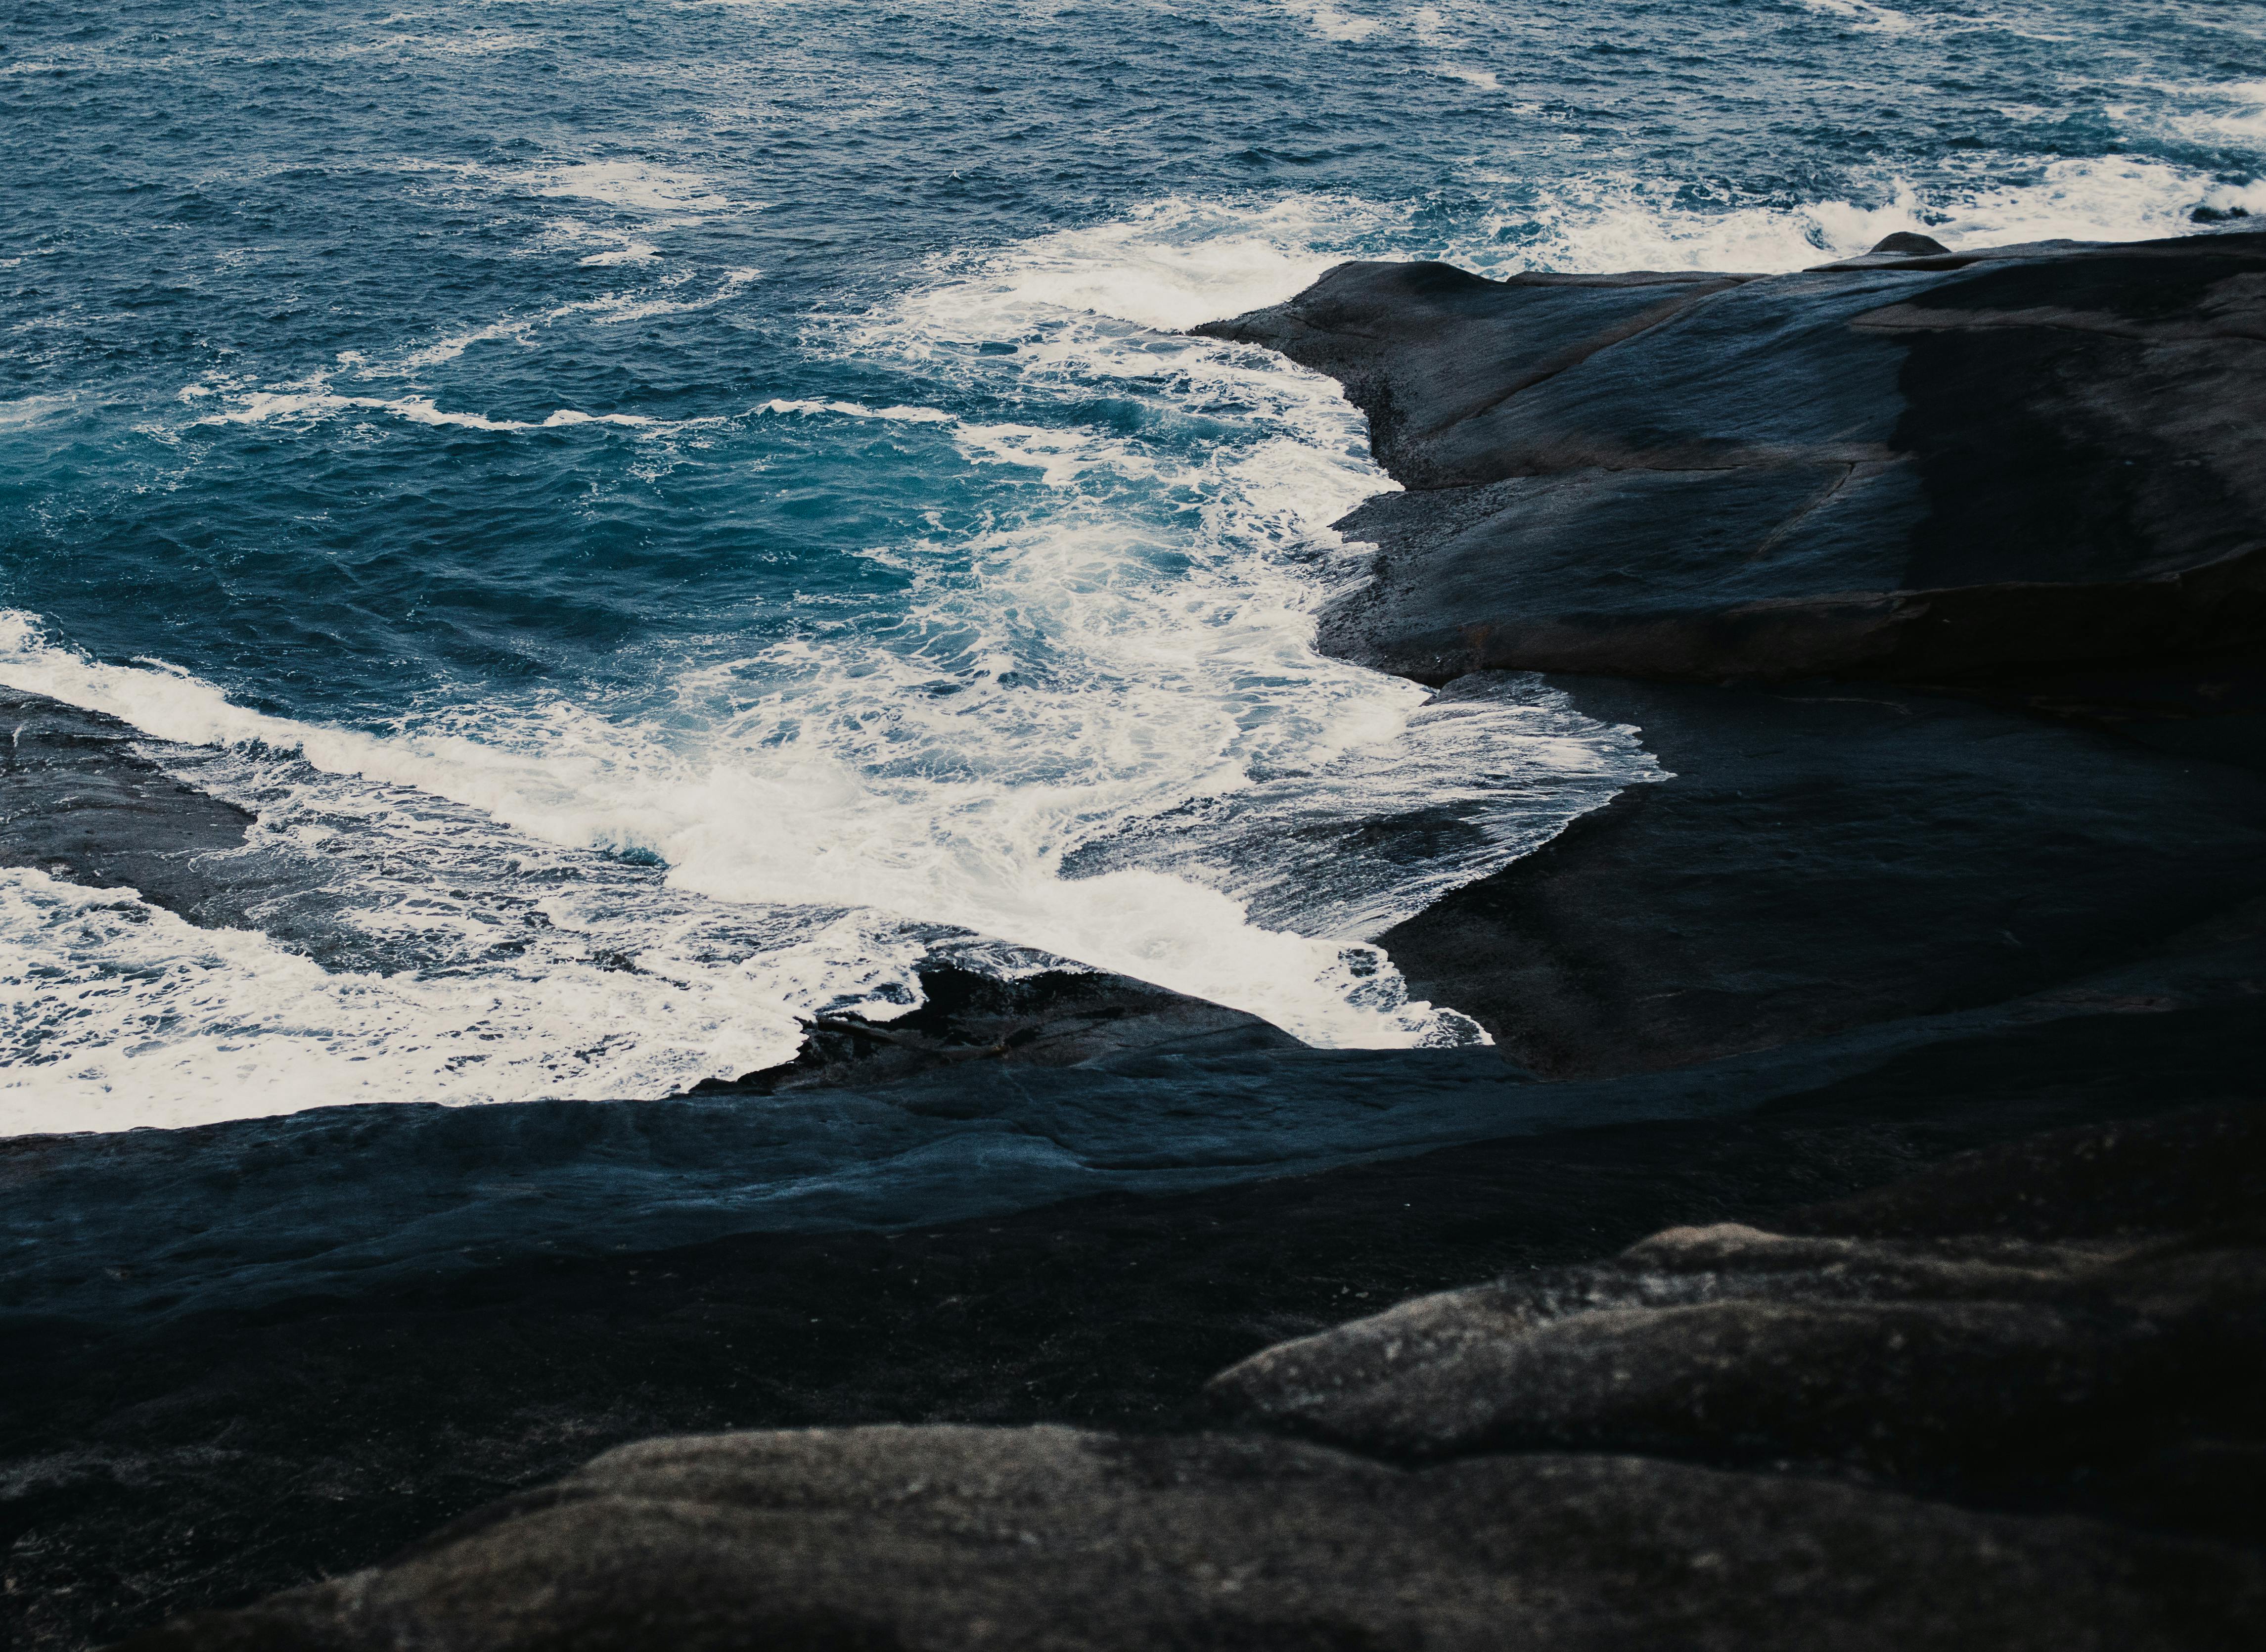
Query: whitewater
718,508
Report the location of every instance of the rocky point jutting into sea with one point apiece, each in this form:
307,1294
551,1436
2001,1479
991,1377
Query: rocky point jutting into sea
1853,1238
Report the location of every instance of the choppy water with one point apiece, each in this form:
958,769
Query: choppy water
716,487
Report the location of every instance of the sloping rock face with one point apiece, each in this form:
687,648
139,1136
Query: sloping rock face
2084,1354
1919,467
1833,856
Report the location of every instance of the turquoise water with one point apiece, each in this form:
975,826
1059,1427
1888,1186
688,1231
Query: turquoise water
667,512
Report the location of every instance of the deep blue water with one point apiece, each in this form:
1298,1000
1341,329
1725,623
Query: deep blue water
719,485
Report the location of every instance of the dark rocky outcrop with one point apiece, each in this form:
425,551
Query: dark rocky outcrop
2089,1308
948,1537
2070,1417
1924,467
2030,477
1055,1018
236,1360
78,800
1833,856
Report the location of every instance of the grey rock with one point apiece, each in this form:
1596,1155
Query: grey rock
1969,1357
950,1537
80,801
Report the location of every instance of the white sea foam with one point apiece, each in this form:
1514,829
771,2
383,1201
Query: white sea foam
26,411
606,310
266,407
1166,266
1331,23
2231,113
114,1014
1862,15
628,253
637,185
1622,222
858,410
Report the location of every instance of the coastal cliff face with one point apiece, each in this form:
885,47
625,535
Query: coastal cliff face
1935,580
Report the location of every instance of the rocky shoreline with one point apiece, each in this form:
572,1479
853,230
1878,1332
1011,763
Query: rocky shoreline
1935,580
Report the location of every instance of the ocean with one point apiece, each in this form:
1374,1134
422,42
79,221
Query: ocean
670,514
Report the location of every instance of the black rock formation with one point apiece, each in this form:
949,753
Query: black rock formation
2089,1307
1057,1018
1921,467
2030,476
1835,855
79,801
2096,1355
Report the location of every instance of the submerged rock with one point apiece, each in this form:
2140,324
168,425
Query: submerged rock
1921,466
82,804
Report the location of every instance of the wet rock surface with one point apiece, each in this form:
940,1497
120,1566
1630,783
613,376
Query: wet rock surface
355,1392
1787,1439
1917,467
1934,578
2090,1307
1057,1017
959,1538
79,801
1833,856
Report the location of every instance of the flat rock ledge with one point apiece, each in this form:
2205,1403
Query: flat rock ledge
2009,1404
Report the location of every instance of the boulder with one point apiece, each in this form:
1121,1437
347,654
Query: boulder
1922,467
1941,1340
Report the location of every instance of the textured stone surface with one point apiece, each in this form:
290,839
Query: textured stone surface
153,1461
1925,466
957,1537
1927,1351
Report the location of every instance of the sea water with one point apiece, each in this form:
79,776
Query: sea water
671,512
